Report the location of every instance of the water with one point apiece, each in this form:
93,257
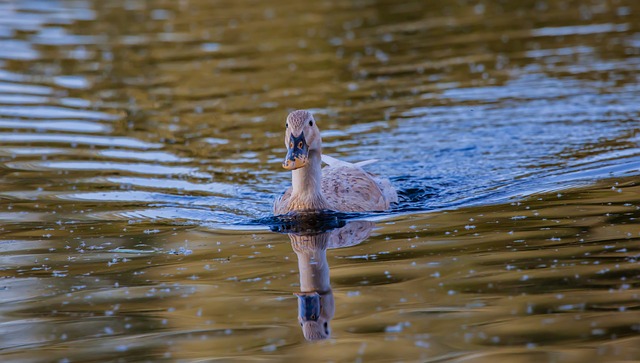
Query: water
140,152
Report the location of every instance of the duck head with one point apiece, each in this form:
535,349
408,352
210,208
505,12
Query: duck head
302,136
314,313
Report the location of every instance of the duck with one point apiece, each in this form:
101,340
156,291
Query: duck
340,186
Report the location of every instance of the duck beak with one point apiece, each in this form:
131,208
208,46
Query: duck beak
308,306
297,153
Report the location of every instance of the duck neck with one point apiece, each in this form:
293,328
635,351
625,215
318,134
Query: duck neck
312,262
306,190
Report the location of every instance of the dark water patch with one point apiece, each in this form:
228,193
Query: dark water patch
414,194
304,222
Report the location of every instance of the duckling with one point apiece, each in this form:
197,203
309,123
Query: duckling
341,186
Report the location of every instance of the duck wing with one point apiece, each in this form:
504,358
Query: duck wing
349,188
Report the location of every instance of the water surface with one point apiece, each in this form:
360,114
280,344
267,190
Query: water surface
140,152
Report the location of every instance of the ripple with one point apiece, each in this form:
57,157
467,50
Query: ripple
540,53
25,89
17,50
73,82
53,112
579,30
134,168
126,196
113,141
32,151
173,214
151,183
159,156
56,125
60,37
22,217
11,99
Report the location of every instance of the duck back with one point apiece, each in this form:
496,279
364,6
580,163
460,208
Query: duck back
349,188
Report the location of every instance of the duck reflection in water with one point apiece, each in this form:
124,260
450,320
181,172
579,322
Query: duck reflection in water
316,305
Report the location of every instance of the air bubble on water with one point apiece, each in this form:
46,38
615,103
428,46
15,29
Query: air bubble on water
394,328
269,348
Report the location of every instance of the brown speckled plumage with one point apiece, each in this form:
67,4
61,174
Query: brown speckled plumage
296,119
342,186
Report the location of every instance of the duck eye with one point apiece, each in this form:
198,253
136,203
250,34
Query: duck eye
310,123
286,125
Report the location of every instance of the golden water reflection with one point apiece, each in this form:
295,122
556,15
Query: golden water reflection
553,276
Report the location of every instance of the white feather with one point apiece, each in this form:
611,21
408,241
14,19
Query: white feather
331,161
